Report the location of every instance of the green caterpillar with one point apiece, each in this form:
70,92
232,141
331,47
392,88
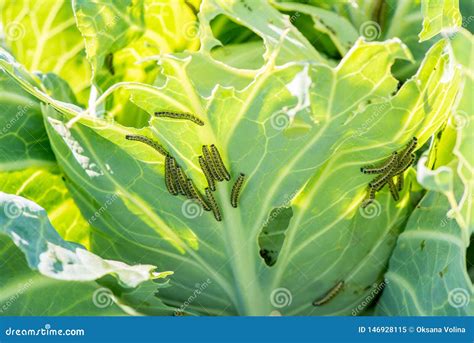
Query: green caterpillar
394,167
220,167
198,196
148,141
234,196
207,173
210,164
383,168
329,295
169,178
177,115
214,207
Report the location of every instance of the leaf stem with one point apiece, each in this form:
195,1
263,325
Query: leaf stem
242,252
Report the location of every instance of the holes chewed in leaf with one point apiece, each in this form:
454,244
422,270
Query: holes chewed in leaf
240,46
229,32
272,236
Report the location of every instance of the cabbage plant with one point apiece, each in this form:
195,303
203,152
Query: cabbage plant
111,204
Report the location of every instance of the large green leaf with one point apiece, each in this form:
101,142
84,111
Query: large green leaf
23,139
23,289
373,20
299,131
170,26
463,121
427,273
43,37
48,253
47,188
107,27
403,19
122,38
438,16
460,146
340,30
263,20
28,293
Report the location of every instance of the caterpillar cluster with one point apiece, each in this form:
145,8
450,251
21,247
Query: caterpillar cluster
214,171
213,168
177,183
393,168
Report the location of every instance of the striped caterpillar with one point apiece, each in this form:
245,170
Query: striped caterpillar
400,182
178,183
198,196
169,176
234,196
329,295
210,163
370,198
183,182
392,168
213,204
409,148
178,115
393,190
148,141
220,167
405,164
383,168
207,173
213,168
379,181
